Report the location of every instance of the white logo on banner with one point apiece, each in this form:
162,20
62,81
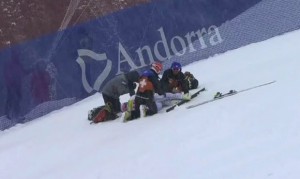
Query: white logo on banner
104,74
201,38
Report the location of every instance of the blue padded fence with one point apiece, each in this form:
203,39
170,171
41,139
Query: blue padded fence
59,69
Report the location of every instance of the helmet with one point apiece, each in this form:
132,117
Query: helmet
176,66
157,67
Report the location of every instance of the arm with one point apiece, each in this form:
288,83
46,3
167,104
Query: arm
131,87
132,77
157,85
165,81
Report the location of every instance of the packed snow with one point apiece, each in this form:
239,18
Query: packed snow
254,134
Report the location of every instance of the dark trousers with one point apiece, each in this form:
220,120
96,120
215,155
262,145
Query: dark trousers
115,103
147,99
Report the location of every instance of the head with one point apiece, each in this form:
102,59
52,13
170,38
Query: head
132,76
157,67
176,67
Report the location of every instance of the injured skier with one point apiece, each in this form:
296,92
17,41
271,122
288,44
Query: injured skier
161,101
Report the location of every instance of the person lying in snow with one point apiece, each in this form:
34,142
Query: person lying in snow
161,101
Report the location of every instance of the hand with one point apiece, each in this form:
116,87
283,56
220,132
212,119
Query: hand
176,90
171,81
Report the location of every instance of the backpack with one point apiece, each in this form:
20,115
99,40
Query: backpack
191,80
101,114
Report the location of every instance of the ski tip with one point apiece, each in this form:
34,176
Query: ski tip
168,110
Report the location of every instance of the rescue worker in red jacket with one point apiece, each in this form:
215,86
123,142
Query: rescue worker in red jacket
144,99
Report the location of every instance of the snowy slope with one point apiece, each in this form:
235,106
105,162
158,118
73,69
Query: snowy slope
250,135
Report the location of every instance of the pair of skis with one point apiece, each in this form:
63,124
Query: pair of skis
219,95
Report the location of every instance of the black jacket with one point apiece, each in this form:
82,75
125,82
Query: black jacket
156,83
132,77
179,77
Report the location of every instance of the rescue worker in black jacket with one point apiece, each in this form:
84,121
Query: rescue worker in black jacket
173,80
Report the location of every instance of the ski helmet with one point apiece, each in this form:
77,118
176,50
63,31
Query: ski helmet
157,67
176,66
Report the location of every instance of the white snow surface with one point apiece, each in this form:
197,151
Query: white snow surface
251,135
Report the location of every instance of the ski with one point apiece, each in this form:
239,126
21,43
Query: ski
184,101
219,95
